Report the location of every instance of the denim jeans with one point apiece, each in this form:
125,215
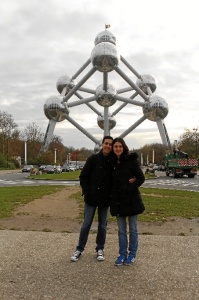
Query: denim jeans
124,247
89,213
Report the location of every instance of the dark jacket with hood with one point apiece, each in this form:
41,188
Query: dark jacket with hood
95,180
125,197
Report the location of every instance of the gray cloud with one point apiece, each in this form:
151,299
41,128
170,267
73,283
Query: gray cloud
43,40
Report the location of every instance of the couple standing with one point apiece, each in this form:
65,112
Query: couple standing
111,178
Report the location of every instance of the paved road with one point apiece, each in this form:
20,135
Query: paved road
184,183
19,179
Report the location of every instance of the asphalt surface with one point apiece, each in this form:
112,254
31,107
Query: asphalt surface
16,178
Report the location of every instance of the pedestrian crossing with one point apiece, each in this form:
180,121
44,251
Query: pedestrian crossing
35,182
172,183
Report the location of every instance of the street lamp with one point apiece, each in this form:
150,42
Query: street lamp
25,150
68,159
196,129
55,156
153,156
141,159
7,151
1,143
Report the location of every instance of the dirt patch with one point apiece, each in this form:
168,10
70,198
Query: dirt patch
59,212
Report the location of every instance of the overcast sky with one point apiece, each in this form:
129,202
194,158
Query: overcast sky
44,40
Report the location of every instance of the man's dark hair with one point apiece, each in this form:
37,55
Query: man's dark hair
108,137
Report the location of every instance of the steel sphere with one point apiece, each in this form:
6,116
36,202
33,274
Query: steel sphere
97,148
105,57
111,120
145,81
65,81
55,110
156,108
105,36
106,98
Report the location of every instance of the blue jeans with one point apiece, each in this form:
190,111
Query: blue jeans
89,213
124,247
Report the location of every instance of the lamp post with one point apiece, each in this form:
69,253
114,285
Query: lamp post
25,150
195,130
68,159
1,143
141,158
153,157
7,151
55,156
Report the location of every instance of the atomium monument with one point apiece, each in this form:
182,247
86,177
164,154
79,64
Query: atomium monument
105,59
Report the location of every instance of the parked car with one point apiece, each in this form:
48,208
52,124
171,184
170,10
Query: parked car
27,168
65,168
72,168
49,169
42,167
161,168
58,169
155,167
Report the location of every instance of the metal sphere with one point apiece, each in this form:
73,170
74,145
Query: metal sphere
65,81
105,36
145,81
55,110
100,122
105,57
156,108
106,98
97,148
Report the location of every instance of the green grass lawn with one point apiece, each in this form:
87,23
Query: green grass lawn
11,197
160,204
73,175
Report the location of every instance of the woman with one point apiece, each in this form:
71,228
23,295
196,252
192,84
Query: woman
126,202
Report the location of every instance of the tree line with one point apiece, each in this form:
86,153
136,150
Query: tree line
12,146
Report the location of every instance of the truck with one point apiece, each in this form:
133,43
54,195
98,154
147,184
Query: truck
179,164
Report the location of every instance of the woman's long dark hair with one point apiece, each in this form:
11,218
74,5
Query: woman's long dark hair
125,148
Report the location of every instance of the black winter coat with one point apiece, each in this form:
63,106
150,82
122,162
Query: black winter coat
125,197
95,180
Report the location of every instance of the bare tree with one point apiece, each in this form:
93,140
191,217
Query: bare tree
32,133
34,137
149,150
188,142
7,123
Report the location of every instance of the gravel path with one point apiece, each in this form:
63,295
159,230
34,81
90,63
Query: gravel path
36,265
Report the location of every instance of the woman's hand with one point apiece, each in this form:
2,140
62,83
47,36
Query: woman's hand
131,180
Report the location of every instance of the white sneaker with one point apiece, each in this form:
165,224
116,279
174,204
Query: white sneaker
76,255
100,255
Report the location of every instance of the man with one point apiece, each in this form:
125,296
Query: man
95,179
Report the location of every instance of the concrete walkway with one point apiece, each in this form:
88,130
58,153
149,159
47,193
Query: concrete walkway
36,265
